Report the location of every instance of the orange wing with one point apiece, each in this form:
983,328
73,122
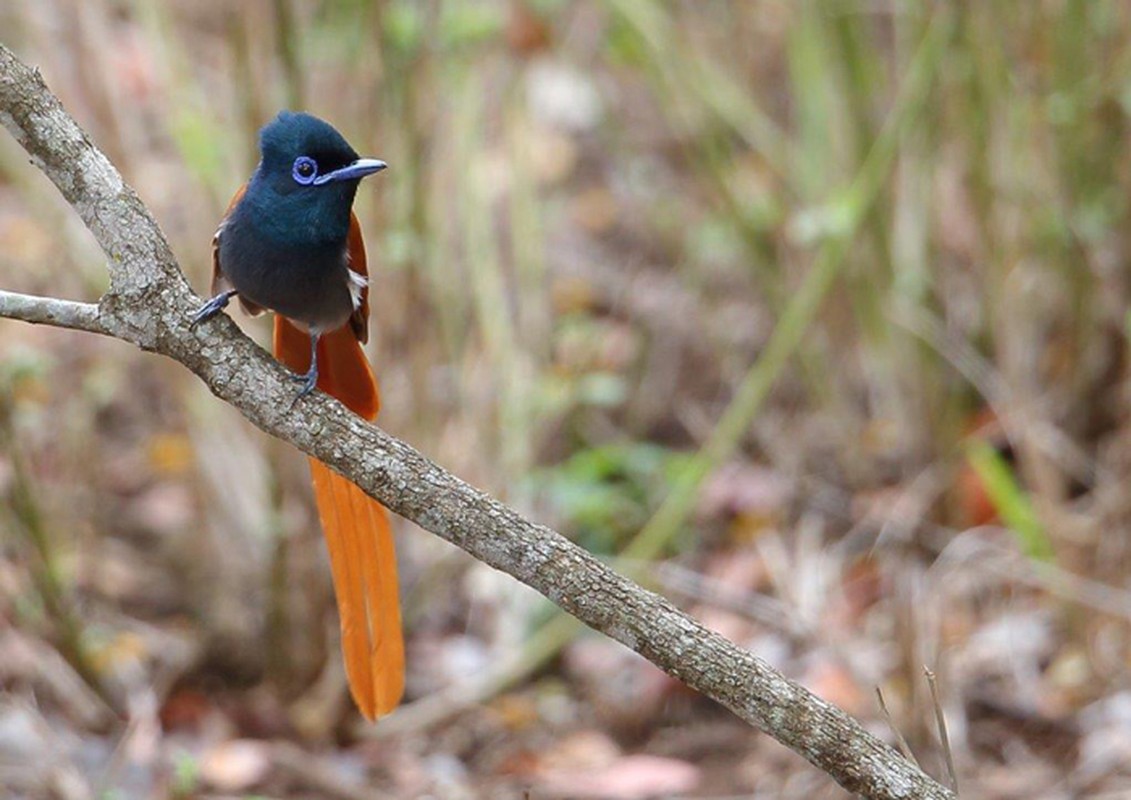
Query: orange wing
359,263
356,527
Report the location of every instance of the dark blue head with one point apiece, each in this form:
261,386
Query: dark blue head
306,180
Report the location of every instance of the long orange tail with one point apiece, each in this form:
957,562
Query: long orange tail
356,528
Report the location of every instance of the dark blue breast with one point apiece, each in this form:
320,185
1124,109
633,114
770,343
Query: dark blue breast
288,256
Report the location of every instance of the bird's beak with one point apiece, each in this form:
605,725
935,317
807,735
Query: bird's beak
352,172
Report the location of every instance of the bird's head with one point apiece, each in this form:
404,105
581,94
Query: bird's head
308,174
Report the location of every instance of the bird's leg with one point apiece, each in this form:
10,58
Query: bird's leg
212,307
310,379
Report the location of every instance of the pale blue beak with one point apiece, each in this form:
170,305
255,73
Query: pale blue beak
352,172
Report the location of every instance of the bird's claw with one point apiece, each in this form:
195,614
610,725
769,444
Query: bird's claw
309,381
210,309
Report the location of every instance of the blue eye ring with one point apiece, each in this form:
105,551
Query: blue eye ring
305,170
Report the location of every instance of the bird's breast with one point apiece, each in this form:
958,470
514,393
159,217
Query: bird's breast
303,279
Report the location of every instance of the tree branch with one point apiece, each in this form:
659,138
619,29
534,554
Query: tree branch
51,311
149,304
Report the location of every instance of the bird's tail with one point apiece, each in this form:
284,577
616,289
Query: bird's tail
356,528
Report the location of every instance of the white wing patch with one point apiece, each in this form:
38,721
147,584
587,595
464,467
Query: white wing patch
357,284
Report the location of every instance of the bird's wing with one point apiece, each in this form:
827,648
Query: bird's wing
220,282
358,263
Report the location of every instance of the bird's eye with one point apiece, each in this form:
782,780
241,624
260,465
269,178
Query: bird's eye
305,170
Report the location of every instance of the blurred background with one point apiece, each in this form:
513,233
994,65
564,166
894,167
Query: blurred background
812,316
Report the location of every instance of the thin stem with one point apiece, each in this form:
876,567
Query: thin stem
51,311
49,583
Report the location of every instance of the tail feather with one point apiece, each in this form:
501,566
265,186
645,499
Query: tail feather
342,368
364,568
356,527
385,640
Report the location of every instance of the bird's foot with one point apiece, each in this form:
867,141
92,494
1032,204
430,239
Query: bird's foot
309,380
211,308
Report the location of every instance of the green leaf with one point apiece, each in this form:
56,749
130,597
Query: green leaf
1010,499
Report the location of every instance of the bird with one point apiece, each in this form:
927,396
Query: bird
290,243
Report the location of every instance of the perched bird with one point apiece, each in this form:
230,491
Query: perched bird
290,243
